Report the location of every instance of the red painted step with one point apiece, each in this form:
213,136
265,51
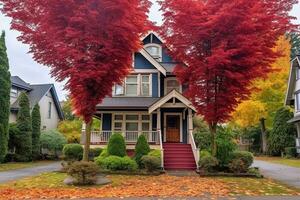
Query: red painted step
178,157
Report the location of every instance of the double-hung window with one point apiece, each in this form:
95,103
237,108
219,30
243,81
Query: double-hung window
118,123
145,89
134,85
132,123
131,87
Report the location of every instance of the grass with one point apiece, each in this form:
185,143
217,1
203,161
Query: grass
21,165
284,161
135,186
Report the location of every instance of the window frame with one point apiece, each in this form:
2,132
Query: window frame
139,120
171,79
49,110
156,57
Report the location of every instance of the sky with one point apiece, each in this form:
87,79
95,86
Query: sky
23,65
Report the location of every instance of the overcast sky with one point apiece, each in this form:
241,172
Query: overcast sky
22,64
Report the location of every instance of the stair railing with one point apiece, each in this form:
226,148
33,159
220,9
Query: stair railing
194,148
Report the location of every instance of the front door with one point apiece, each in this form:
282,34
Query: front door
172,128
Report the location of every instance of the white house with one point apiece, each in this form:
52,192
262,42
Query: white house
42,94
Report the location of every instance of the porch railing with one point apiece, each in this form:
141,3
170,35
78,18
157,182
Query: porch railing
194,148
98,137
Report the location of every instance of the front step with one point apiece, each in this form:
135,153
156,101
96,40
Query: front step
178,157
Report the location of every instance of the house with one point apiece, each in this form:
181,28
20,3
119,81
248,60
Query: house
151,102
43,94
293,95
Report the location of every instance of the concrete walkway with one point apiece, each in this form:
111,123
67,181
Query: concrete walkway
283,173
32,171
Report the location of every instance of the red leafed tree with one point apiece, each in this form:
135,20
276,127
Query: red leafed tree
89,43
225,44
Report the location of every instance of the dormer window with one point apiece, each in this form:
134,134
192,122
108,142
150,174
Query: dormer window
154,50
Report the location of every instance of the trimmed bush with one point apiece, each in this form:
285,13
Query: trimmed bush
53,141
13,140
208,163
84,173
290,152
116,145
151,163
238,166
36,132
117,163
142,148
204,153
156,153
73,152
245,156
95,152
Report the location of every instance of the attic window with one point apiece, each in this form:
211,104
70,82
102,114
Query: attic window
154,50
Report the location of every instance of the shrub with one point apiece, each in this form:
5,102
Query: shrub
36,132
117,163
225,145
95,152
73,152
84,173
142,148
155,153
202,140
13,140
245,156
204,153
290,152
71,130
237,166
24,148
283,134
53,141
208,163
151,163
116,145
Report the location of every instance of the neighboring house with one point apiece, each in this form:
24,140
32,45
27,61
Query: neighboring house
42,94
293,95
150,102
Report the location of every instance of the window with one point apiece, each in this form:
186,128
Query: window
118,123
132,122
171,84
132,85
135,85
49,110
14,93
154,50
297,102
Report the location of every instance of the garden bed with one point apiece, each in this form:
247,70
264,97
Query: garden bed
138,172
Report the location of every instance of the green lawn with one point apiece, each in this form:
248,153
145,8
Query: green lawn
21,165
284,161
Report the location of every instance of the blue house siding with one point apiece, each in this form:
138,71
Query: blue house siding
106,122
165,57
140,62
154,85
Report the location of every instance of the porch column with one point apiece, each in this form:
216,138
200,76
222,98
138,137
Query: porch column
158,123
83,128
190,122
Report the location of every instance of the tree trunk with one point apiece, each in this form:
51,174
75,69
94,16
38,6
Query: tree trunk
87,141
263,135
213,132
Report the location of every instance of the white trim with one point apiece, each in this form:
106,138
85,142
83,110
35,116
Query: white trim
154,62
172,105
138,71
165,99
155,34
165,125
291,81
171,79
159,85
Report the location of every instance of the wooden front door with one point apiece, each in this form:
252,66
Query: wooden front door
173,128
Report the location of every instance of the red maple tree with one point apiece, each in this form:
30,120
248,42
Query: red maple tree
89,43
225,45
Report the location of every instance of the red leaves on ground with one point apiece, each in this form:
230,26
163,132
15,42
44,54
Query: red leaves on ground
88,43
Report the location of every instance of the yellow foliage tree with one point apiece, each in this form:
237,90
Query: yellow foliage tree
268,94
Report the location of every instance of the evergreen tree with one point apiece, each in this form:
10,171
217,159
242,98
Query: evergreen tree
36,131
24,149
4,98
283,134
295,43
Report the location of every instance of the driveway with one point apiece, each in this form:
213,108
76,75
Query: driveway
286,174
33,171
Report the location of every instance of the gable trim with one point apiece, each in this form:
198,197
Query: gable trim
165,99
154,62
155,34
291,81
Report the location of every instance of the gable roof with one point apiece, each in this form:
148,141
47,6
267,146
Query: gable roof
155,34
295,63
18,82
36,93
170,95
153,61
